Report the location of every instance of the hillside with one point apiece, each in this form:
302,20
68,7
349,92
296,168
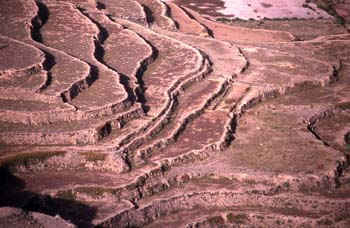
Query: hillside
143,113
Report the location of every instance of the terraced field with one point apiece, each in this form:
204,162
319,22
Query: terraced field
143,113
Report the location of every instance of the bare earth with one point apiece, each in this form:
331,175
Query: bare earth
144,113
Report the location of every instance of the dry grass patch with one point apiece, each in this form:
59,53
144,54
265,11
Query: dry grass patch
93,156
27,159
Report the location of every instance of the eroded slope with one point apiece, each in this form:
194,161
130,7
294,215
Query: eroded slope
136,113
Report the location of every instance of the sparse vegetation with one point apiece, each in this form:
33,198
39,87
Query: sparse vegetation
305,5
343,106
27,159
347,138
328,6
94,156
266,5
237,218
325,222
96,191
201,121
250,181
304,189
66,194
286,185
224,19
216,220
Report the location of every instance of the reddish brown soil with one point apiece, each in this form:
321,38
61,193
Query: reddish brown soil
138,113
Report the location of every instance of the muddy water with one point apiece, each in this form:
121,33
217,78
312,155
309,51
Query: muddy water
254,9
